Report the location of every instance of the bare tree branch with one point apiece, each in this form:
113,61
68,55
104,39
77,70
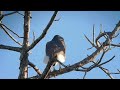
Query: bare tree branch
10,13
100,28
3,15
106,61
93,33
46,71
17,49
11,31
117,72
22,14
90,41
35,68
44,32
10,35
106,71
108,34
57,19
116,45
92,66
84,75
33,36
90,48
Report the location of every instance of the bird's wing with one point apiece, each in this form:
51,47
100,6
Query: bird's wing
64,46
51,49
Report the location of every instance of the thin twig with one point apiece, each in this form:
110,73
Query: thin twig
105,70
115,73
107,61
116,35
116,45
11,31
118,70
90,41
98,62
93,33
33,36
11,36
101,57
100,28
90,48
57,19
22,14
10,13
84,75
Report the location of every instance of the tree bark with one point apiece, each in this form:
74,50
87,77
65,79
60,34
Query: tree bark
23,74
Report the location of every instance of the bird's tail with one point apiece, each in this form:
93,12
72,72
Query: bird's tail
46,59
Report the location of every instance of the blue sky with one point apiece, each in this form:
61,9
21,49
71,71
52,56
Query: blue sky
72,26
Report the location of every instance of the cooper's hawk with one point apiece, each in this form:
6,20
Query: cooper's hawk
55,49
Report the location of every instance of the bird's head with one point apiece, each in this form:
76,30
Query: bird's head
58,37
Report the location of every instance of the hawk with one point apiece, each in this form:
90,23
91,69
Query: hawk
55,49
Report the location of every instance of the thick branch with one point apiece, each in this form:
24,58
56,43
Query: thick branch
17,49
44,32
35,68
46,71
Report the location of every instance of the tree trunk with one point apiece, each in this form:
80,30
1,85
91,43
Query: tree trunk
24,53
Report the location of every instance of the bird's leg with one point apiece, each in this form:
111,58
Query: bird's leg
68,65
53,69
60,67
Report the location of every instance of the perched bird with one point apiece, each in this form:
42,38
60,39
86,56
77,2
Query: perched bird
55,49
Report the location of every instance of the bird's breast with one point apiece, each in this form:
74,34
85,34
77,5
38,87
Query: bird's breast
61,57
